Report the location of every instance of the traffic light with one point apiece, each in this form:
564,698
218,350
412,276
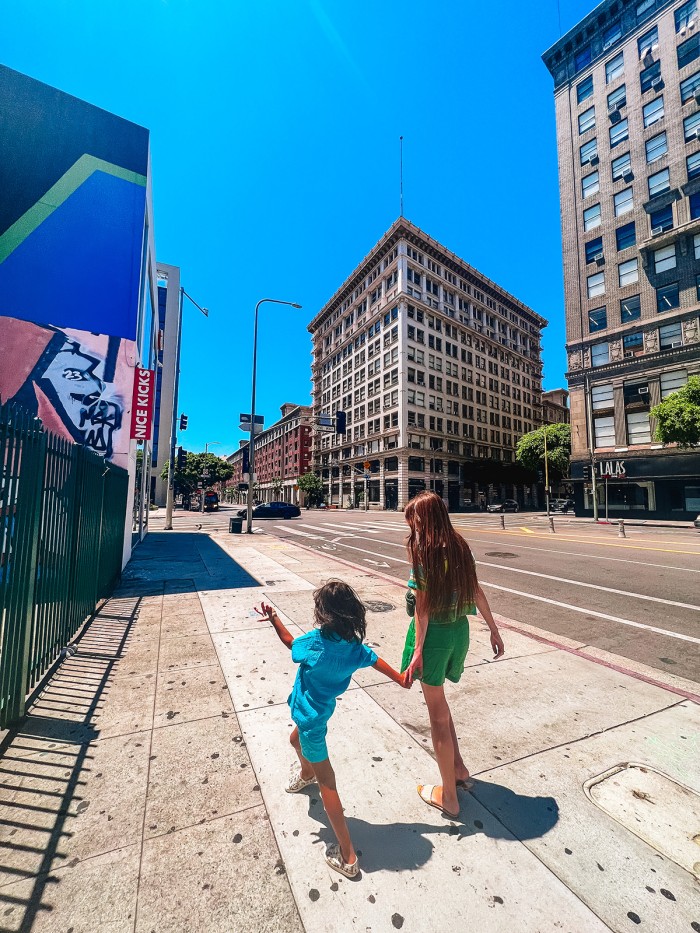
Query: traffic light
586,472
183,422
341,420
181,458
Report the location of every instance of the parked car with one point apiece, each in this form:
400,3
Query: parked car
508,505
561,505
273,510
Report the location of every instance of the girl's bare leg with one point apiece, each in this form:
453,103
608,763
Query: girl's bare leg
441,730
334,808
307,769
461,770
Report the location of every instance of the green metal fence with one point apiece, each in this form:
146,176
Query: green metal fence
62,512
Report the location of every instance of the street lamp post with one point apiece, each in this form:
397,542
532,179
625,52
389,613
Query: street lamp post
251,444
206,451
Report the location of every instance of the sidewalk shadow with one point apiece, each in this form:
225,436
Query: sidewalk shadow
488,809
189,561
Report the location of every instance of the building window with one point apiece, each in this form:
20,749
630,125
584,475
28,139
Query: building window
656,147
602,396
694,202
697,287
589,185
672,382
617,99
696,245
596,284
623,202
638,431
691,126
649,75
693,165
628,272
586,120
626,236
665,258
621,166
589,151
584,89
688,51
670,336
632,343
612,34
600,354
689,86
661,220
659,182
619,133
630,309
667,298
582,59
614,68
591,217
685,15
597,320
604,428
594,249
648,42
653,111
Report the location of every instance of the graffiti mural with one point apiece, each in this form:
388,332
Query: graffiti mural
78,383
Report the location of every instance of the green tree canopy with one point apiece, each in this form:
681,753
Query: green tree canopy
678,416
530,449
187,479
311,486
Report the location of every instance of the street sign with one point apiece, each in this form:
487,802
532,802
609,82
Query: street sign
367,465
326,423
368,475
244,423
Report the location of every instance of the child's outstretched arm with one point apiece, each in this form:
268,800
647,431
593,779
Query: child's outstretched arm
388,671
267,612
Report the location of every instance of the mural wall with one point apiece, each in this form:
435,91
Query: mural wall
72,217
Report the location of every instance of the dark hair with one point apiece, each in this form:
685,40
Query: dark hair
440,554
339,611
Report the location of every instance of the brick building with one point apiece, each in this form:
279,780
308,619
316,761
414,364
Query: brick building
627,100
438,370
282,453
555,407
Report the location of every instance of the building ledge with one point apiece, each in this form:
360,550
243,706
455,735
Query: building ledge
670,236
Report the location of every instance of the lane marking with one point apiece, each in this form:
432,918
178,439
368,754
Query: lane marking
612,544
592,586
316,528
350,526
526,530
591,612
303,534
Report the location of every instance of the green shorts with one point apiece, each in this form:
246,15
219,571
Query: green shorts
444,650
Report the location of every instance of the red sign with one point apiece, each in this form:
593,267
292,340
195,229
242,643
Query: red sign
142,404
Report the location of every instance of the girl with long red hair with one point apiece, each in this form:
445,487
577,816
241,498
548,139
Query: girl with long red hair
447,592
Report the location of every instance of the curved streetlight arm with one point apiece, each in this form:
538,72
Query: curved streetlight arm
251,442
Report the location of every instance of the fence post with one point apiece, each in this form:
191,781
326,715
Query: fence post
503,522
621,529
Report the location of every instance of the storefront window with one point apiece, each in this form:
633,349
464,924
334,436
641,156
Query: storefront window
622,497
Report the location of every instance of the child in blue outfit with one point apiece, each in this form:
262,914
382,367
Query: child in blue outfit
327,656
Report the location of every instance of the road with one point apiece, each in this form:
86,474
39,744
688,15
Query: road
638,597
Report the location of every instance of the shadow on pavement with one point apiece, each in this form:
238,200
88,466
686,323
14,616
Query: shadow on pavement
186,561
407,846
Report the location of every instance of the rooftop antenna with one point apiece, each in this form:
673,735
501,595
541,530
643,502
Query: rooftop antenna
401,172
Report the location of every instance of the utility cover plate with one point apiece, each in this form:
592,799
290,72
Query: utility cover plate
657,809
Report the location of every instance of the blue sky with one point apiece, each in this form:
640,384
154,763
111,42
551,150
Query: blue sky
274,147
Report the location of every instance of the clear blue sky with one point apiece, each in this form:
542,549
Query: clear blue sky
274,146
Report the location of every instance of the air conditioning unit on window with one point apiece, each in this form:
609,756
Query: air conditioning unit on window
642,390
696,95
600,260
615,115
647,58
657,83
628,354
628,175
676,344
655,231
594,159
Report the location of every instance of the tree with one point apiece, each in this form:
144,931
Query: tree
530,449
678,416
311,486
219,470
277,485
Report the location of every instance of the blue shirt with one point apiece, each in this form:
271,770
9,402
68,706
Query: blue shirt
326,666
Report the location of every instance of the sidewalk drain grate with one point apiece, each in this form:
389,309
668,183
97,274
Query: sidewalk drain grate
653,806
378,606
501,554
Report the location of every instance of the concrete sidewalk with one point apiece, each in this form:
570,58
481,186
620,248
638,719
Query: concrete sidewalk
145,790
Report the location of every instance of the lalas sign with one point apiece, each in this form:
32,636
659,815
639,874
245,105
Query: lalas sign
142,404
611,469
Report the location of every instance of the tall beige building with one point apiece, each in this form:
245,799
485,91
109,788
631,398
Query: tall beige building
627,99
438,371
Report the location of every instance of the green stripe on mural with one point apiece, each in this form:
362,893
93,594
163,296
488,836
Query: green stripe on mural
79,172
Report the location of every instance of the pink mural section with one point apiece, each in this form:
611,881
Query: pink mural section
80,384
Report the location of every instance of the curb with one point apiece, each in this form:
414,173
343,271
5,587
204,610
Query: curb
647,675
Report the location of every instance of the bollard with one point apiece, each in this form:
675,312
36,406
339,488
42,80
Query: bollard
503,522
621,529
551,525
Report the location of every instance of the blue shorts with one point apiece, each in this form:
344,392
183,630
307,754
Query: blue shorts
312,739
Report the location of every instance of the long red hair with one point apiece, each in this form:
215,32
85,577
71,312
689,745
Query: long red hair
440,556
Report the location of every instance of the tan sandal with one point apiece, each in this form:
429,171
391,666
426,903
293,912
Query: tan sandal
334,857
425,792
296,782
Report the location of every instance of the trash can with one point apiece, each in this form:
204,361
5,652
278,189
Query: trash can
235,526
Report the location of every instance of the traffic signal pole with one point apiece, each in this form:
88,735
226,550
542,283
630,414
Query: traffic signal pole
591,444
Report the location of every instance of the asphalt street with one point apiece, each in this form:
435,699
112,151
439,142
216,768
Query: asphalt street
637,597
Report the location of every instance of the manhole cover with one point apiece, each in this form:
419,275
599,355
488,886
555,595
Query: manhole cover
379,606
500,554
